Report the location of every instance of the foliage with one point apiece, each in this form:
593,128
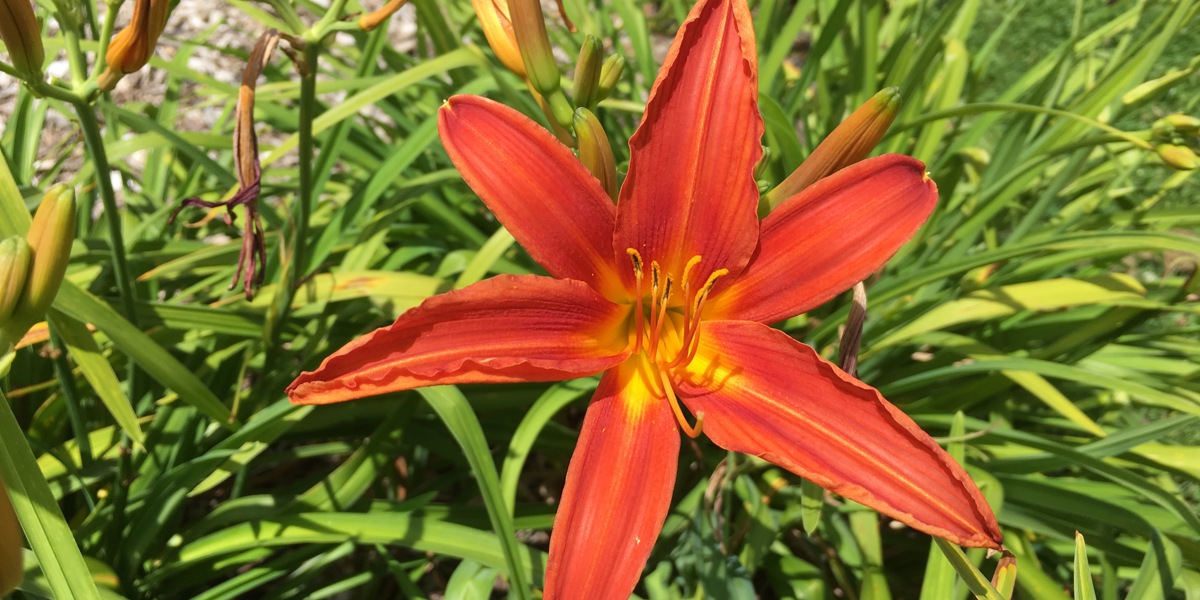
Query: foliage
1043,322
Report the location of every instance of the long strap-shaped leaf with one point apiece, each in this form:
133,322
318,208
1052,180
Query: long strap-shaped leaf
41,519
454,410
159,363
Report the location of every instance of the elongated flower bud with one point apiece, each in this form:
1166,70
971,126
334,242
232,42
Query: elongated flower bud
594,150
372,20
14,270
132,48
10,545
1183,123
22,36
587,72
498,29
849,143
529,27
50,239
1178,157
610,75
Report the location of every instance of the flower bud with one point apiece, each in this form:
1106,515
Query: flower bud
1171,126
1178,157
14,269
498,29
849,143
587,72
50,238
22,36
10,545
610,75
1182,123
131,49
372,20
529,27
594,150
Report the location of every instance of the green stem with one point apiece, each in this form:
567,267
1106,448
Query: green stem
94,141
303,208
106,31
293,270
76,59
288,14
317,33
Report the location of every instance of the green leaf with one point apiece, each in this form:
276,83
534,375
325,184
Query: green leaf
1083,571
47,531
455,411
98,372
143,350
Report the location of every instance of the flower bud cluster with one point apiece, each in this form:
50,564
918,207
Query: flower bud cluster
1178,141
32,269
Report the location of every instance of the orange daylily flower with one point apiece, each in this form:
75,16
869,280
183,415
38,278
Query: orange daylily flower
669,294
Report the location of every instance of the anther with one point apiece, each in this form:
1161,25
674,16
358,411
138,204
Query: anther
637,275
691,338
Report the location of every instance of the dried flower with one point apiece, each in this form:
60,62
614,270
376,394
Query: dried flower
253,256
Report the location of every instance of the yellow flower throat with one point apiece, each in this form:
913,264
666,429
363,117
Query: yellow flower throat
659,324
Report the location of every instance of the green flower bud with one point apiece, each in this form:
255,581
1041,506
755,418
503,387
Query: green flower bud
610,75
1183,123
1178,157
22,36
594,150
529,28
14,269
50,238
587,72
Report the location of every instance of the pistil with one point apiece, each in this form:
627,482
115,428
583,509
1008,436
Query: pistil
669,392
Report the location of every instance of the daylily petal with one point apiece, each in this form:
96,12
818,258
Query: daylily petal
505,329
618,490
804,414
690,188
828,237
536,187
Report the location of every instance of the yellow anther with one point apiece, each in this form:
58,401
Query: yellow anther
637,276
636,257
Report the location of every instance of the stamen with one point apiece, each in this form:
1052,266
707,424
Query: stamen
692,432
691,338
659,318
687,306
637,275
